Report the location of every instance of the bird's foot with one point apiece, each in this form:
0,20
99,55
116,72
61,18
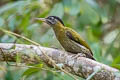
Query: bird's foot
79,55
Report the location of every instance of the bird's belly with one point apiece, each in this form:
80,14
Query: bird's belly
71,46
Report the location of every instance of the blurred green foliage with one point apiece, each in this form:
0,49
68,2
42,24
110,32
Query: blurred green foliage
97,21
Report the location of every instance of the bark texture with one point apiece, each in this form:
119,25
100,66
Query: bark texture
79,66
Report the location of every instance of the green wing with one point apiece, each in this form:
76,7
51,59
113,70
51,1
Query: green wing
71,34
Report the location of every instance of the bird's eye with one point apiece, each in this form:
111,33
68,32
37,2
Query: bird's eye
51,18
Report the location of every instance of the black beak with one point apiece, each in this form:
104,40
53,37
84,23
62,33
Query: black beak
45,20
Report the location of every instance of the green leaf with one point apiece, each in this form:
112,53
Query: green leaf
116,60
1,22
75,9
88,14
117,66
10,6
47,37
25,22
97,51
11,22
90,34
72,7
6,38
18,58
44,14
8,75
33,70
110,37
102,12
57,10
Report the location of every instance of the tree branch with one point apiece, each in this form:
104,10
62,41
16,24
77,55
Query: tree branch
79,66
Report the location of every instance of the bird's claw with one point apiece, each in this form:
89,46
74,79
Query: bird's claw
79,55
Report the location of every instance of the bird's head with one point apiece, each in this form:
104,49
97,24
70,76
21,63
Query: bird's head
52,20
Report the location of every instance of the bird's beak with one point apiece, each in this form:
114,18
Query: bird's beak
41,19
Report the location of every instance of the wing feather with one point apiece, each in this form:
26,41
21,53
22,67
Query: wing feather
76,37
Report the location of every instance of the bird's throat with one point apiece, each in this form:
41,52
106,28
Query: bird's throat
59,30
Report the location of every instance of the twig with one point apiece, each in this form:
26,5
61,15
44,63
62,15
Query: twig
38,68
20,36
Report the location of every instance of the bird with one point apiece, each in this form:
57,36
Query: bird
70,40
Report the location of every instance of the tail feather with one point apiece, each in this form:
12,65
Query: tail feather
91,57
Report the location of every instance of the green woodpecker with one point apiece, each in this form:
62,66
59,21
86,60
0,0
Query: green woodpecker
70,40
